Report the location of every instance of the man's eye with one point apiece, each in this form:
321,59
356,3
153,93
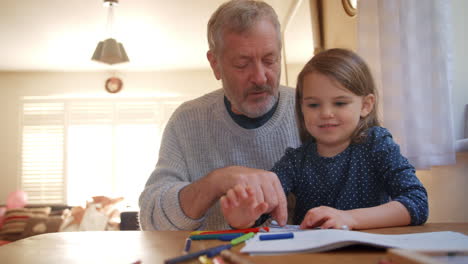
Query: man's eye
240,66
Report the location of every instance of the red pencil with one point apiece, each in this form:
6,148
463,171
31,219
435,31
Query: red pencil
246,230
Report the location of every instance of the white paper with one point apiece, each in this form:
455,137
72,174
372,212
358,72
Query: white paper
323,240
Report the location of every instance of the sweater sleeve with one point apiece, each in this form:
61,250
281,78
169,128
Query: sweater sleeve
399,176
160,208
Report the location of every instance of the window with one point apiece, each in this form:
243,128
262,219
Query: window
73,149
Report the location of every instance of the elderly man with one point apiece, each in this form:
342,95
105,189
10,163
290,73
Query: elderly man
229,136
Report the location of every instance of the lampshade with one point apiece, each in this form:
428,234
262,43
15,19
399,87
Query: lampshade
110,51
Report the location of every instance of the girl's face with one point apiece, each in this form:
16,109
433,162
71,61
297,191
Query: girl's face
331,112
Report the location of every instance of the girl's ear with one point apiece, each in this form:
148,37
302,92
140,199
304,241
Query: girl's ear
367,104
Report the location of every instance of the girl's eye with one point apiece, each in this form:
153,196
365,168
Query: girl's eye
312,105
341,103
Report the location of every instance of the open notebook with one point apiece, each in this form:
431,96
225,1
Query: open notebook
329,239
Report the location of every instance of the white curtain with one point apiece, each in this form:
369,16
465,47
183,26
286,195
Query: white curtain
407,45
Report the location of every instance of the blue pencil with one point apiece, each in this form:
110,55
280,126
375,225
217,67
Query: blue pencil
277,236
229,237
188,243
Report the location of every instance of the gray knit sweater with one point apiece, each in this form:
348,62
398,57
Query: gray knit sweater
200,137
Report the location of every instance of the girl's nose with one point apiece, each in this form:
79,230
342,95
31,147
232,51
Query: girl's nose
326,113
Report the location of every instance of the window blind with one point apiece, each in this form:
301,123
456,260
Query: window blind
73,149
42,152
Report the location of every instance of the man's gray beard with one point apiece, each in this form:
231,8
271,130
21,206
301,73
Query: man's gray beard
254,111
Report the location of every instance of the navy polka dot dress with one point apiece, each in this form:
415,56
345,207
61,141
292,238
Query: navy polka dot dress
363,175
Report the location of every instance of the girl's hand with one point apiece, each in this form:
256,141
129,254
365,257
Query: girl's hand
327,217
240,207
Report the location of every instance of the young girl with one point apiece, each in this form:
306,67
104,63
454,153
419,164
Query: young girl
349,173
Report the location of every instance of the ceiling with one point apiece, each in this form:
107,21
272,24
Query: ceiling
59,35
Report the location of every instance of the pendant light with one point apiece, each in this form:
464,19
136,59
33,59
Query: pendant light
110,51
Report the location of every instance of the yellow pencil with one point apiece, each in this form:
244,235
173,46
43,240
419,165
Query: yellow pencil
197,232
205,260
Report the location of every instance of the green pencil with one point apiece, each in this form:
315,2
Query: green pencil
242,238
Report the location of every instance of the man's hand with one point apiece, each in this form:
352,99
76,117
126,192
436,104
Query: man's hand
240,209
197,197
265,185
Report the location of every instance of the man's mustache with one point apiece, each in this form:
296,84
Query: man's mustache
259,89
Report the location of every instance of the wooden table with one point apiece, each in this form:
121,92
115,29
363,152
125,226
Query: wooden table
156,246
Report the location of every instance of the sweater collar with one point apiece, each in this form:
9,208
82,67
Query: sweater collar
247,122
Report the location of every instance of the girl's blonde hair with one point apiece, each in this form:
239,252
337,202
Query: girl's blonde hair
350,70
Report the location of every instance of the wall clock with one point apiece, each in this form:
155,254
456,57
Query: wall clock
113,85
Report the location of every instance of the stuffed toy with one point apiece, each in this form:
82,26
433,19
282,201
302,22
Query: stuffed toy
100,214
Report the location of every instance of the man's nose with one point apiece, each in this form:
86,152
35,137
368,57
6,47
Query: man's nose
259,75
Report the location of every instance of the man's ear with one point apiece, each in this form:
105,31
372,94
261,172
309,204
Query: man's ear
367,104
214,64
